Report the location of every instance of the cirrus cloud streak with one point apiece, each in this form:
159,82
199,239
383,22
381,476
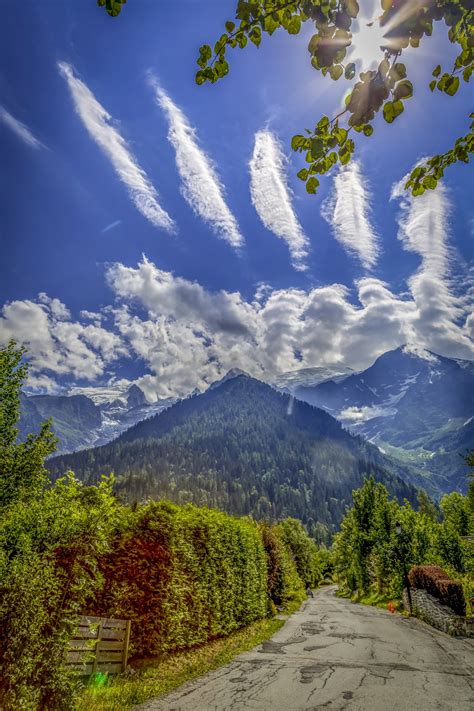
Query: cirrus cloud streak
98,123
271,196
201,186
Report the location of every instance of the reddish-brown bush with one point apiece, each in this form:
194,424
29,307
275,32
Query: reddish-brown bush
437,582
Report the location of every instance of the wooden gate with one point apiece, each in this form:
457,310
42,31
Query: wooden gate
99,645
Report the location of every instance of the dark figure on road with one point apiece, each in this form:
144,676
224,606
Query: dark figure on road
309,592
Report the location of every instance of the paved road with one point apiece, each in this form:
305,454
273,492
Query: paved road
333,654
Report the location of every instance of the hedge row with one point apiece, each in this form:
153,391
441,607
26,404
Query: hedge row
437,582
185,575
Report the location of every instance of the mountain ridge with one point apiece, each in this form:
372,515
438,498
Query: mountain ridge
243,447
414,406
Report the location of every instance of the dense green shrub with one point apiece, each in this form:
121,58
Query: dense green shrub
49,548
284,585
183,575
437,583
50,539
302,548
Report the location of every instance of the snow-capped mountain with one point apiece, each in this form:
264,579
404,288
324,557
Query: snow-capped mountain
90,416
309,377
416,406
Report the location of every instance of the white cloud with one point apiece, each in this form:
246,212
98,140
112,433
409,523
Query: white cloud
355,415
188,336
348,212
191,337
20,129
424,228
271,196
201,186
98,123
57,345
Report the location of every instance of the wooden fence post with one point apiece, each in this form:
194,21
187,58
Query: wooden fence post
126,643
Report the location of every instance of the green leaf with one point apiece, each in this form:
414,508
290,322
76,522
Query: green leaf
317,147
294,25
452,85
433,84
430,182
403,90
436,71
368,130
312,185
298,142
302,174
398,108
255,36
350,71
230,26
336,71
400,70
388,112
391,110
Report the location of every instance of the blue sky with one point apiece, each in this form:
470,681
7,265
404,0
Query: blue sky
154,231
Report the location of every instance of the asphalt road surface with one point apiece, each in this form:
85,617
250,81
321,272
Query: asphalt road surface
333,654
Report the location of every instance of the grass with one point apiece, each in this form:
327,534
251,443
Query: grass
156,677
372,598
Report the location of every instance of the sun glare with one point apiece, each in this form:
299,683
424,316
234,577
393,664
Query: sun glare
367,41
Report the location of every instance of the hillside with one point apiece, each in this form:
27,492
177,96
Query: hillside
245,448
417,408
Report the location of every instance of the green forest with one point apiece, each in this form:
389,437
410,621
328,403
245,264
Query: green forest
183,574
246,449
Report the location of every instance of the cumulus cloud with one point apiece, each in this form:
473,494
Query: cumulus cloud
201,186
191,336
57,345
187,336
19,129
271,196
348,212
98,123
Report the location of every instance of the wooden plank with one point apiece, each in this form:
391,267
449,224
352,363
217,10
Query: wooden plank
79,657
86,644
85,633
85,669
107,656
105,644
114,624
90,620
103,621
112,634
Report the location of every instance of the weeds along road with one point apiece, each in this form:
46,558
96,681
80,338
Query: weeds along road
334,654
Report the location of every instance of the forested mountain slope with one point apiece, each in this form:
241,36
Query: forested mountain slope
245,448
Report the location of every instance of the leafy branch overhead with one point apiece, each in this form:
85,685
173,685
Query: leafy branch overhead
403,23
